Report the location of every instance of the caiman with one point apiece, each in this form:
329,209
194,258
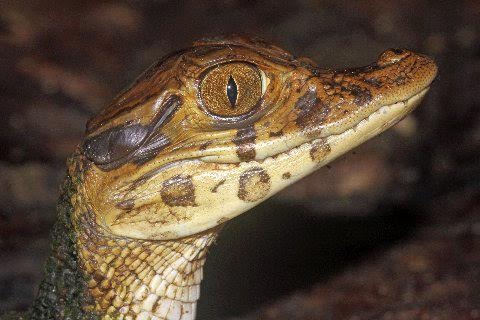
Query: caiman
202,136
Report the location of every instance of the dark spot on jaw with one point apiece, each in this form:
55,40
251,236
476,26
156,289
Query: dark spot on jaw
254,184
178,191
245,142
204,145
319,151
276,134
126,205
215,188
286,175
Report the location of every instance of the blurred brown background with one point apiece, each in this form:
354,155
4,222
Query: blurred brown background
389,231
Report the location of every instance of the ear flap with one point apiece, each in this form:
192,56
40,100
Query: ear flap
135,143
114,144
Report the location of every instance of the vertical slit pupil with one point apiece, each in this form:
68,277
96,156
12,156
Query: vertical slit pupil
232,91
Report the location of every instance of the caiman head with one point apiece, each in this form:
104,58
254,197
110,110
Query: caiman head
211,131
201,137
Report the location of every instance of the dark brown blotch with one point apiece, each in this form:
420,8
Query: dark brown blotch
204,145
245,142
375,82
254,185
178,191
98,276
286,175
361,96
274,134
311,111
319,150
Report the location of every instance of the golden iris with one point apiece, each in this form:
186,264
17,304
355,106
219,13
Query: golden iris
231,89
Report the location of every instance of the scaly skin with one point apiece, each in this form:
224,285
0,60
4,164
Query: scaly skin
201,137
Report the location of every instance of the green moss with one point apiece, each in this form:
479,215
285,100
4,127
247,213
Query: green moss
15,316
62,293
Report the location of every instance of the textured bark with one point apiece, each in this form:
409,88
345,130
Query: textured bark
62,293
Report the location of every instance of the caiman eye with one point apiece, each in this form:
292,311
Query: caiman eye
231,89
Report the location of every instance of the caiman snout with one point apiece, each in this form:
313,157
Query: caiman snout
338,100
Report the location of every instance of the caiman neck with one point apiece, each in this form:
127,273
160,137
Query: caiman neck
94,275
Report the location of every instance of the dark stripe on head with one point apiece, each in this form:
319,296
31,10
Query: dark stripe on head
310,110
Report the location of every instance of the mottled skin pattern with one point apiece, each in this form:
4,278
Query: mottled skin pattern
202,136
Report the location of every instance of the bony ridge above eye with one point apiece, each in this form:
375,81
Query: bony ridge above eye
231,89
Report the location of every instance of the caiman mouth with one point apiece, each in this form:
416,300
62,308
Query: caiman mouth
381,119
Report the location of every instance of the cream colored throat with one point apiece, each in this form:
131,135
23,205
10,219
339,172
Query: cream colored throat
144,280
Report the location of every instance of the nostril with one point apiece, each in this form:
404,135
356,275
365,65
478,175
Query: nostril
397,51
392,56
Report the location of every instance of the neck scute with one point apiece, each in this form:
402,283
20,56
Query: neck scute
136,279
139,279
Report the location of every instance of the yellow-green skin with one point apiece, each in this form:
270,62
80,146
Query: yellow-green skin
158,174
